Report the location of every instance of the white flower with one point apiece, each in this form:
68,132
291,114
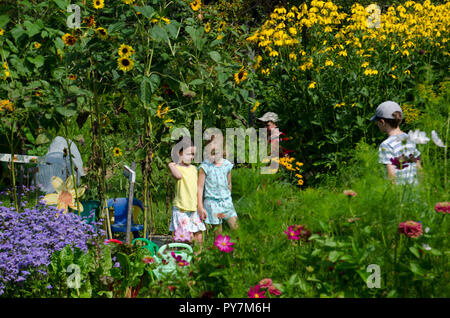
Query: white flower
418,137
426,247
427,229
437,140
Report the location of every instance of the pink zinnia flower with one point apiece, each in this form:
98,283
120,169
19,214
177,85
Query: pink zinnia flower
274,291
182,235
255,292
223,243
410,228
350,193
443,207
148,260
180,261
265,283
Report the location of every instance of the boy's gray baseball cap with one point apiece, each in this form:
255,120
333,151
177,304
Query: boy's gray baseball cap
385,110
269,116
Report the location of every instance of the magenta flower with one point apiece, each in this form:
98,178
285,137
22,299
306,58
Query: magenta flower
443,207
180,261
410,228
255,292
223,243
182,235
293,233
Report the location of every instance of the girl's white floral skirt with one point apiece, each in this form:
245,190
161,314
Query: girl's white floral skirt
186,221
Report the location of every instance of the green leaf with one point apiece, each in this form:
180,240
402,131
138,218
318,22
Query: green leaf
4,19
42,139
334,256
62,4
148,87
38,61
33,28
215,56
65,111
415,251
196,82
159,34
18,32
173,29
147,11
416,269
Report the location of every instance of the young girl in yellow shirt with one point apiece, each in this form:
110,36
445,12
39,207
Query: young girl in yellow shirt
186,221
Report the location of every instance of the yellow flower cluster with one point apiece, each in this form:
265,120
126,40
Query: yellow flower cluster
287,162
402,29
6,71
6,104
410,113
160,112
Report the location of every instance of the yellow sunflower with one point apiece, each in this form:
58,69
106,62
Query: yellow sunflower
65,194
2,31
196,5
125,50
207,27
240,76
117,152
128,1
69,39
37,45
98,4
160,112
72,77
125,63
102,33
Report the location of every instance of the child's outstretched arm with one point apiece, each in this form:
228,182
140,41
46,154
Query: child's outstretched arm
390,172
175,172
200,187
229,180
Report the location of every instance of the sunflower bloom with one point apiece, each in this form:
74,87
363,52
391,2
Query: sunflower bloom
312,85
37,45
196,5
6,104
125,64
125,50
160,112
98,4
65,195
2,32
240,76
128,1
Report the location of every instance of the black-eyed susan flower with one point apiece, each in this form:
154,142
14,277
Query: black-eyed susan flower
102,33
38,93
222,25
98,4
125,63
240,76
125,50
72,77
312,85
69,39
37,45
196,5
89,21
117,152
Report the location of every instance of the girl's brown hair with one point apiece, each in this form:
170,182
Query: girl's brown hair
398,119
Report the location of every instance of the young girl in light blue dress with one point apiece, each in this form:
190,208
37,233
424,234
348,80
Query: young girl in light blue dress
214,191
